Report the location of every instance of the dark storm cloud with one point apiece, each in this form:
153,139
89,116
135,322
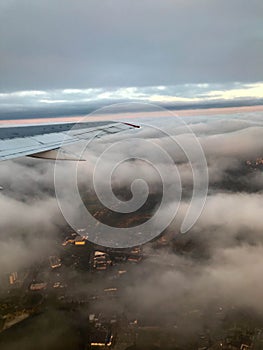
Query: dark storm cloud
58,44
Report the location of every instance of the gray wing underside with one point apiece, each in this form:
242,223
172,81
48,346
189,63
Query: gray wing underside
41,140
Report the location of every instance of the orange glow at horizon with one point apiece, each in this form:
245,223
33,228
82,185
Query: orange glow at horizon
135,115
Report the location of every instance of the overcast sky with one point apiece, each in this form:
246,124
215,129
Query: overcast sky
58,44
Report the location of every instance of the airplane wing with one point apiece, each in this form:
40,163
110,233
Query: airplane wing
44,140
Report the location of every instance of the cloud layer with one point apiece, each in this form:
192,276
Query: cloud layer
213,268
28,103
58,44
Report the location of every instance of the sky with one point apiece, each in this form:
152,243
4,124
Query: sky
67,57
74,102
63,44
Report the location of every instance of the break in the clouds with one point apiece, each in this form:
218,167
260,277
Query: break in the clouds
88,43
228,232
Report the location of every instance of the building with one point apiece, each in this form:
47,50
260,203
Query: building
101,260
37,286
54,261
101,337
13,278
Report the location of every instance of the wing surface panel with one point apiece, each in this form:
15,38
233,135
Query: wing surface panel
18,141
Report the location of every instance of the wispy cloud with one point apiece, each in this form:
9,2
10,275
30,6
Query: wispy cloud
185,94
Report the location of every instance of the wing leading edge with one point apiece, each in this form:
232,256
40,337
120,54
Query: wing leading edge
44,140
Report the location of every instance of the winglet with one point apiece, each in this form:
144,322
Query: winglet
133,125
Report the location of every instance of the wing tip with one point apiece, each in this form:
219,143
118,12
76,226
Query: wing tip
133,125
